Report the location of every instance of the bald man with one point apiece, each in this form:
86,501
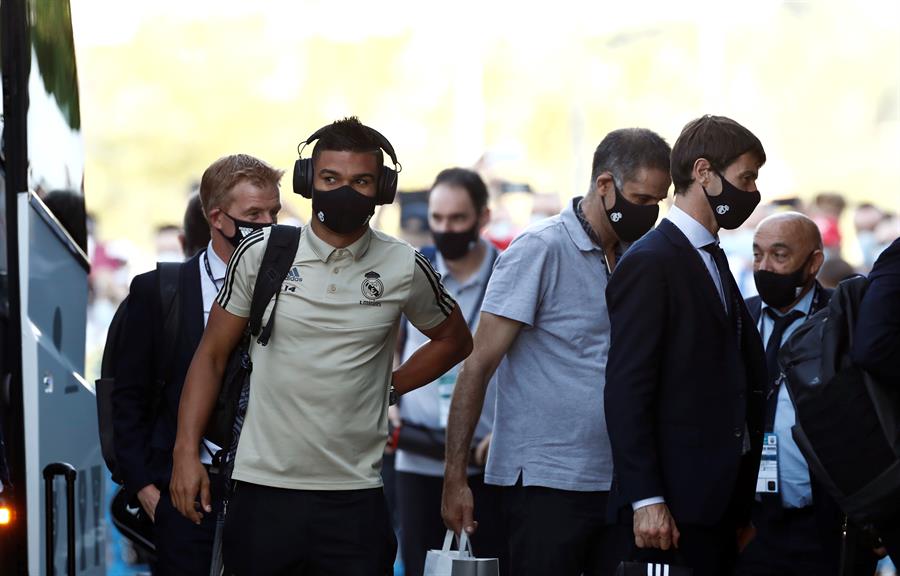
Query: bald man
798,526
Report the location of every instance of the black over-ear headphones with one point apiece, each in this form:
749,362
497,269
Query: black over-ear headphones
387,180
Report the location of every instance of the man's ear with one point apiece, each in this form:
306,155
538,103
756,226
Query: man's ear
702,171
606,188
484,218
818,258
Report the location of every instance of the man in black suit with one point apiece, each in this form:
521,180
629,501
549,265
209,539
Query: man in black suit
798,525
686,367
239,194
876,346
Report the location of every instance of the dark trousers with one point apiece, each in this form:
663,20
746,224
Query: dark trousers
789,544
422,529
559,532
182,547
281,532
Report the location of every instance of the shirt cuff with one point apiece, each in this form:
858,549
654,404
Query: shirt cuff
647,502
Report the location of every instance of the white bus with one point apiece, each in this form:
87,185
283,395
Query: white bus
48,424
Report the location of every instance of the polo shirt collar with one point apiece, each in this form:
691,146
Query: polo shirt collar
574,228
323,250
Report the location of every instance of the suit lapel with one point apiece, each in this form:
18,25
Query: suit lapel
192,299
695,268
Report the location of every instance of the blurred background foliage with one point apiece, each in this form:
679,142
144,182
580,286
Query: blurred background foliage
523,90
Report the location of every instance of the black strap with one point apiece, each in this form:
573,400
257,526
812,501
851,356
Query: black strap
275,265
169,276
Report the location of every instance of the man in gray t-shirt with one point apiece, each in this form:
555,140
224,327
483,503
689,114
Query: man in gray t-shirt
544,336
457,213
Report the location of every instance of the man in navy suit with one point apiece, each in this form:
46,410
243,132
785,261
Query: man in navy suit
686,368
239,193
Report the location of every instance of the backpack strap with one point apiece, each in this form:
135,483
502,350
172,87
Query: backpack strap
275,265
169,276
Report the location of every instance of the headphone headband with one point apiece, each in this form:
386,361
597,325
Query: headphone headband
383,143
387,181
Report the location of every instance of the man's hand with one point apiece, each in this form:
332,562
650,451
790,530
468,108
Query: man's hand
481,451
457,507
189,477
148,496
654,527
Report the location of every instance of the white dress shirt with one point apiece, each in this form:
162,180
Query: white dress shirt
211,280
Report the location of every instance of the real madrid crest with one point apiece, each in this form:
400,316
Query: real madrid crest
372,287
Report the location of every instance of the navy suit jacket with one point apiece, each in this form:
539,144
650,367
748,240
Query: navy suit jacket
681,385
876,345
144,442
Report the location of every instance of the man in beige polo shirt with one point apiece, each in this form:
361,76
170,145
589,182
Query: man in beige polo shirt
308,498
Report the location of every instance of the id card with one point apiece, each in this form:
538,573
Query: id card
767,481
445,386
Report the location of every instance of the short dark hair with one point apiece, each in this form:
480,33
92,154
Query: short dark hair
719,139
348,135
196,228
467,179
624,152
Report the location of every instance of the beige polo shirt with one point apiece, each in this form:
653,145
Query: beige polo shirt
317,415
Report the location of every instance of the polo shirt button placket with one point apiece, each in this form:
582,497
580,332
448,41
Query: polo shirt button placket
332,288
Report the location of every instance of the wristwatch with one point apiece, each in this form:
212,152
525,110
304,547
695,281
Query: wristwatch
392,396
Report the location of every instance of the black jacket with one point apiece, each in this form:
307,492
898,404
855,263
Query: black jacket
682,383
144,444
876,345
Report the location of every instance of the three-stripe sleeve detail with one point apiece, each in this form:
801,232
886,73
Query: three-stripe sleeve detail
444,301
228,286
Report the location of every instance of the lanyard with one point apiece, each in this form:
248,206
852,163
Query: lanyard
209,270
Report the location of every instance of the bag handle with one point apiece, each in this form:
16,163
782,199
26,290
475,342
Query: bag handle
464,545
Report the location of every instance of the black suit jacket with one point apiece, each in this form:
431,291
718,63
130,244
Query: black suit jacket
143,443
681,385
876,345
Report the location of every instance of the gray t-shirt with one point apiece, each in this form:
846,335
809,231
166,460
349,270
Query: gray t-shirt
549,425
429,405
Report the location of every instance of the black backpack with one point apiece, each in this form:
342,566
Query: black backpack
227,417
847,423
169,274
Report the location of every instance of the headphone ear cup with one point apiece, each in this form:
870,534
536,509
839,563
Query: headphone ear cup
303,177
387,185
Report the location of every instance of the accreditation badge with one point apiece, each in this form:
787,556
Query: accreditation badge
767,481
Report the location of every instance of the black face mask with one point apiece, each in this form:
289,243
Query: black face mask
455,245
733,206
780,290
242,229
342,210
630,221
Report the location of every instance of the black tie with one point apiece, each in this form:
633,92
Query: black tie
724,274
780,324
